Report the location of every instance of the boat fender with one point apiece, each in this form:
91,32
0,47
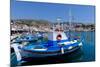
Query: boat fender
62,50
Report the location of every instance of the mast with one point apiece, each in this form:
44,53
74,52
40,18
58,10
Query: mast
70,21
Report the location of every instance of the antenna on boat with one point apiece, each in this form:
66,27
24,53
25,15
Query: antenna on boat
58,21
52,26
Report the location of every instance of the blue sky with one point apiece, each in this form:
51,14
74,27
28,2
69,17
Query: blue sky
50,12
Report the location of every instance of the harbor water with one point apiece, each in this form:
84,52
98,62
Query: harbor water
85,54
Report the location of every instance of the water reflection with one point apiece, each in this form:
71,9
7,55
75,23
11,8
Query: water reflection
86,53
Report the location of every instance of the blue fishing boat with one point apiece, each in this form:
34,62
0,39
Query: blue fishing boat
58,43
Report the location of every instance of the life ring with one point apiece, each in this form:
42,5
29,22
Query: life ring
59,37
